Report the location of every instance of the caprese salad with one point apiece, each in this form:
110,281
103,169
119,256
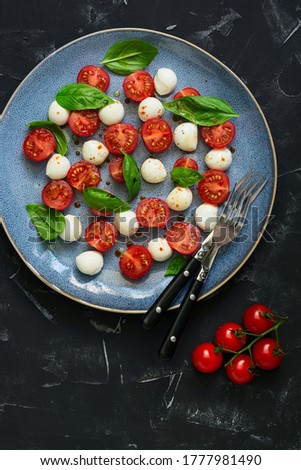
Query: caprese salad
81,107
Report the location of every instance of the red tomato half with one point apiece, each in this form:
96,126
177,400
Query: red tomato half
240,370
139,85
219,136
94,76
186,162
101,235
214,187
230,336
83,123
57,194
267,354
156,134
39,144
205,359
184,237
255,319
121,136
83,175
186,92
135,262
152,212
115,169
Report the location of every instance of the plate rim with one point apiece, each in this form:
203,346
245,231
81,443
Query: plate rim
219,62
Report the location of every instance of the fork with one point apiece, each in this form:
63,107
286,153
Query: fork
228,227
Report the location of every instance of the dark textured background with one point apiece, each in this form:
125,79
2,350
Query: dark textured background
76,378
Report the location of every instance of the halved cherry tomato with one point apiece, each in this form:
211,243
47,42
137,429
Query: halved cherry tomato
156,134
188,91
219,136
139,85
94,76
121,136
214,187
83,123
57,194
184,237
39,144
230,336
152,212
135,262
83,175
101,235
240,370
206,359
115,169
267,354
186,162
258,318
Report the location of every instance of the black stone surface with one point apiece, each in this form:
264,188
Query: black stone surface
73,378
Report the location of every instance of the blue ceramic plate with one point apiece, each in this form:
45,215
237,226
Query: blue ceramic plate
23,180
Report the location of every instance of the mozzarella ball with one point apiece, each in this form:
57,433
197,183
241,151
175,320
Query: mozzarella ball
206,216
72,230
159,249
186,136
95,152
153,170
165,81
150,108
219,159
112,113
58,114
89,262
126,223
179,199
57,167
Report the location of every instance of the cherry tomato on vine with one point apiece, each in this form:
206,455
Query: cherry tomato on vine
255,319
205,359
230,336
267,353
240,369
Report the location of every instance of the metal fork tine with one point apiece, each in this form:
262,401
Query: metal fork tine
238,185
254,186
229,200
252,198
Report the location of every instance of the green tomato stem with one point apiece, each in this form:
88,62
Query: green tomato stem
258,337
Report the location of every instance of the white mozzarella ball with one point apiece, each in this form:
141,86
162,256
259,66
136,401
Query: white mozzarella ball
153,170
150,108
58,114
126,223
219,159
186,136
206,216
89,262
57,167
72,230
165,81
159,249
179,199
95,152
112,113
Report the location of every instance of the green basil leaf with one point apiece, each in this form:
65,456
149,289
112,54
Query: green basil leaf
185,177
79,96
48,222
175,265
127,56
103,200
61,142
202,110
131,175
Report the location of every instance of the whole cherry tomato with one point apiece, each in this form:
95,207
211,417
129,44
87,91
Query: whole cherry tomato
240,369
205,359
230,336
258,318
267,353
